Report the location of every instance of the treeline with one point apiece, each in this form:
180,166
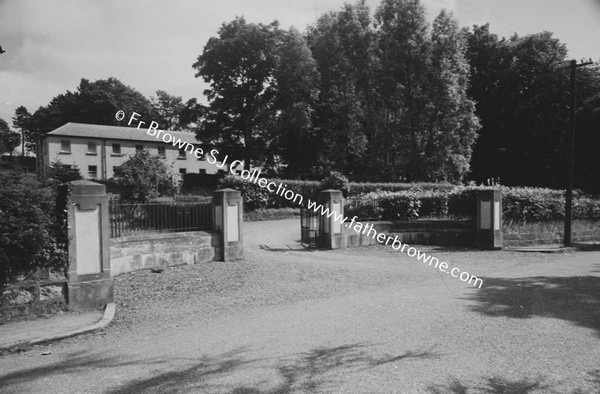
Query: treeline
379,95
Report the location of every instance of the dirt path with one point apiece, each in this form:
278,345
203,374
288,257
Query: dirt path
366,320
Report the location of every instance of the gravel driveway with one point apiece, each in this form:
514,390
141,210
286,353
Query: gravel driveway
364,320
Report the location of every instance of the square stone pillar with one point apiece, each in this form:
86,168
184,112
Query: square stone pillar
488,234
331,230
228,219
90,285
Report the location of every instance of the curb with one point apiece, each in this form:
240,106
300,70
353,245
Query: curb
526,249
107,318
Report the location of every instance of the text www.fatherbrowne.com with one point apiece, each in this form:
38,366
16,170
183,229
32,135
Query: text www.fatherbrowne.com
280,189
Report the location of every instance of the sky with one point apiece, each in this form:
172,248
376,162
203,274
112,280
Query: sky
151,45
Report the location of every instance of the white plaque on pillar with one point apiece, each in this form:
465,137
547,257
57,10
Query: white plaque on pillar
232,228
496,215
485,219
87,241
337,226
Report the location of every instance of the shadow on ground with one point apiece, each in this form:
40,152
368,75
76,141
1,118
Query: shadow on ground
498,385
576,299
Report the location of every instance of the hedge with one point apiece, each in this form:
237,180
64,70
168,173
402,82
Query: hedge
410,201
31,234
256,197
524,204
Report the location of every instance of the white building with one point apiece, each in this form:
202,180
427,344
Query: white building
97,149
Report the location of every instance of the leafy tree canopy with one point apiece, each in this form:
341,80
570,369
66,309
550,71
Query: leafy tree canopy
143,177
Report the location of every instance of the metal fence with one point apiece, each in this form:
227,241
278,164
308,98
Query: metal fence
128,219
309,226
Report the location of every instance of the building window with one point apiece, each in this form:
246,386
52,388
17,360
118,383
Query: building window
116,149
182,154
93,172
202,171
91,150
162,152
139,148
65,146
182,171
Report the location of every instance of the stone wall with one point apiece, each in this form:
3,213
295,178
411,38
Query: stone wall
523,233
156,250
34,297
457,233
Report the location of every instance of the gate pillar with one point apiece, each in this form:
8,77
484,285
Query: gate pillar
330,229
228,219
90,285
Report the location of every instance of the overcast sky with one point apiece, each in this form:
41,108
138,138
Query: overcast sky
150,44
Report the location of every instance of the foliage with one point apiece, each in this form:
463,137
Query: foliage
31,235
93,102
337,181
22,121
256,197
143,177
518,204
168,109
271,214
521,88
9,140
239,66
61,173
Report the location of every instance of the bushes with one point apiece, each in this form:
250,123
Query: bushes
256,197
406,201
519,204
30,235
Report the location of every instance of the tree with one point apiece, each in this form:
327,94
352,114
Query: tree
404,50
63,173
143,177
168,109
519,85
297,83
342,44
9,140
452,130
22,122
94,103
239,66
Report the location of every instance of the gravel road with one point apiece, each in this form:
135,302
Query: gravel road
364,320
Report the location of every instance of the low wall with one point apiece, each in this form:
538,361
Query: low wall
430,232
155,250
522,233
33,298
462,233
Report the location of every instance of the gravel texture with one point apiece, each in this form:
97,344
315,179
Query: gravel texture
364,320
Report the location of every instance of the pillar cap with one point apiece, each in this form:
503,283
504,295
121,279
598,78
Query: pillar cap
86,188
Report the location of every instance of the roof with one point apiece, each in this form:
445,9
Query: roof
83,130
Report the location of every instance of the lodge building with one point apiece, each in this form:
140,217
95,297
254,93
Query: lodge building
96,150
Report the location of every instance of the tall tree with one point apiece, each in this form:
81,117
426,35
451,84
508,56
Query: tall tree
239,66
519,85
9,140
22,121
168,109
93,102
404,52
342,44
297,83
452,128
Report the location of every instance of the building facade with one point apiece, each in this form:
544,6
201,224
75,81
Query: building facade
97,150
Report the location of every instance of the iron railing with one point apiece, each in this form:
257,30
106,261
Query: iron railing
309,226
129,219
